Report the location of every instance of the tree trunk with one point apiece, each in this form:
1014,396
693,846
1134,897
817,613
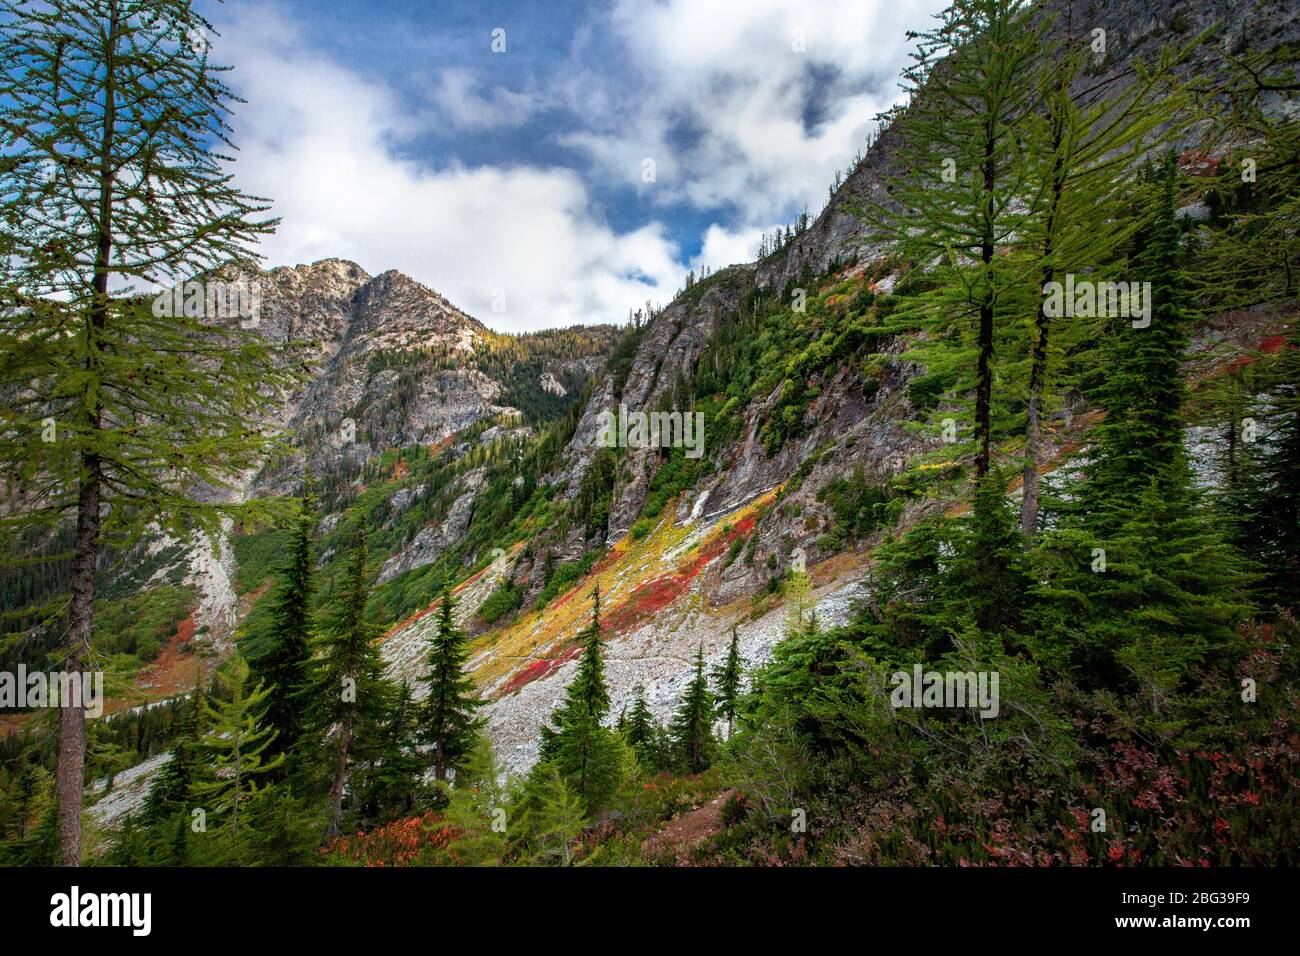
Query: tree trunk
70,780
1038,369
340,779
984,372
1033,427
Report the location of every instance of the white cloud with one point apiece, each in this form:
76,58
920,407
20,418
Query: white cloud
722,247
319,141
740,76
459,97
715,92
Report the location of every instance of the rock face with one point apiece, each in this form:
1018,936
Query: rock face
395,369
429,544
392,363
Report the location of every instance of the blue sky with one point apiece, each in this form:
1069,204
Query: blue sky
391,132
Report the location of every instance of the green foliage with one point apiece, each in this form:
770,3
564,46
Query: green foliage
172,788
553,817
505,600
347,697
233,746
1141,438
691,730
279,660
258,554
563,576
449,723
389,781
958,194
858,508
479,809
726,681
644,735
587,754
139,625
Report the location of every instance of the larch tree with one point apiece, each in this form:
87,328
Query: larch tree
113,179
1085,147
236,743
958,198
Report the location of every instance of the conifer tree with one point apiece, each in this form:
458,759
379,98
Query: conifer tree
554,820
1139,585
1079,155
801,609
1262,474
112,124
959,195
449,722
280,664
283,830
691,730
585,752
642,732
988,578
347,696
393,763
234,745
1140,439
479,808
1279,478
726,679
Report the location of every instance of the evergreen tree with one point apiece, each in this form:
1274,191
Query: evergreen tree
988,578
554,819
1139,586
235,744
691,730
448,723
391,780
585,752
478,808
1263,484
1140,439
959,194
726,679
1078,222
347,696
642,732
281,663
283,830
113,127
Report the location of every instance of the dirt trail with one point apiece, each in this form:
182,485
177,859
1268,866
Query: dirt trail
686,830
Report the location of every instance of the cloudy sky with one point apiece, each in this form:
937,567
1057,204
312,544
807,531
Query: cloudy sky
391,132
